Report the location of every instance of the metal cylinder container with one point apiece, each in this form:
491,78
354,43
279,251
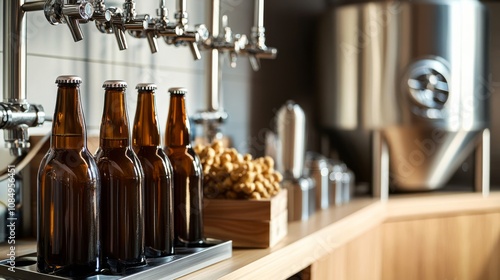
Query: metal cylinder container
415,74
291,128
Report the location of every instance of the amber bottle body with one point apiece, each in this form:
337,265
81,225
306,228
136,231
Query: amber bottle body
122,214
68,194
188,193
158,180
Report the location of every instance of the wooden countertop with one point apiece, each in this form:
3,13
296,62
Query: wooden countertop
327,230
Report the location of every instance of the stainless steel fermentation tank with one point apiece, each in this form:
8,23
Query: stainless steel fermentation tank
404,90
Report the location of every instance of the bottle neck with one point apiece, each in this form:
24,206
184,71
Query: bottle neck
114,125
68,125
145,131
178,129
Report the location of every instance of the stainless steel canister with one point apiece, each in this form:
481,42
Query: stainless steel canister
341,182
301,198
291,125
290,152
334,182
317,168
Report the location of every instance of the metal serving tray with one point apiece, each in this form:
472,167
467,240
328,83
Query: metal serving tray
185,261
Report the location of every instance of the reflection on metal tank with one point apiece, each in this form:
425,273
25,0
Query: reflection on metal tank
404,89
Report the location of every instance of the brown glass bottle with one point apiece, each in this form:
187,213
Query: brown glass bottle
158,181
122,215
68,192
188,193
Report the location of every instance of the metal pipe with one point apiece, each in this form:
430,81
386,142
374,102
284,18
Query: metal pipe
129,10
482,163
14,52
380,166
259,14
213,78
33,6
181,6
213,61
181,15
162,12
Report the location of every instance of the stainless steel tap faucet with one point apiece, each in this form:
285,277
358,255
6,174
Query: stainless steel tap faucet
16,114
257,48
72,13
224,41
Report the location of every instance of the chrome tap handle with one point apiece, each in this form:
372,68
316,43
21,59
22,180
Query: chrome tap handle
149,32
202,35
120,36
57,12
117,26
153,43
195,50
254,62
190,38
255,54
73,14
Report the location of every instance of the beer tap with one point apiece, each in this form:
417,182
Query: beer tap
228,43
256,48
154,27
163,27
123,20
72,13
102,17
132,22
183,36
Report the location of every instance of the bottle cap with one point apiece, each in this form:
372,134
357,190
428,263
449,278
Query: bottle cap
177,90
114,84
146,86
68,79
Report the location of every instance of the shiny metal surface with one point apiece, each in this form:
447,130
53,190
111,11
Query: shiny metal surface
184,261
291,129
72,13
333,181
13,115
316,168
224,41
301,198
482,163
406,69
33,6
14,52
15,111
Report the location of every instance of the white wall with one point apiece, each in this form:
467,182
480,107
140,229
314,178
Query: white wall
52,52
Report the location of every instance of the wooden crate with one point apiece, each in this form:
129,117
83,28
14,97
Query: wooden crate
248,223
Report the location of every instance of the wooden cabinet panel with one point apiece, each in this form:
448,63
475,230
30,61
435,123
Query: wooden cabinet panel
454,248
358,259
